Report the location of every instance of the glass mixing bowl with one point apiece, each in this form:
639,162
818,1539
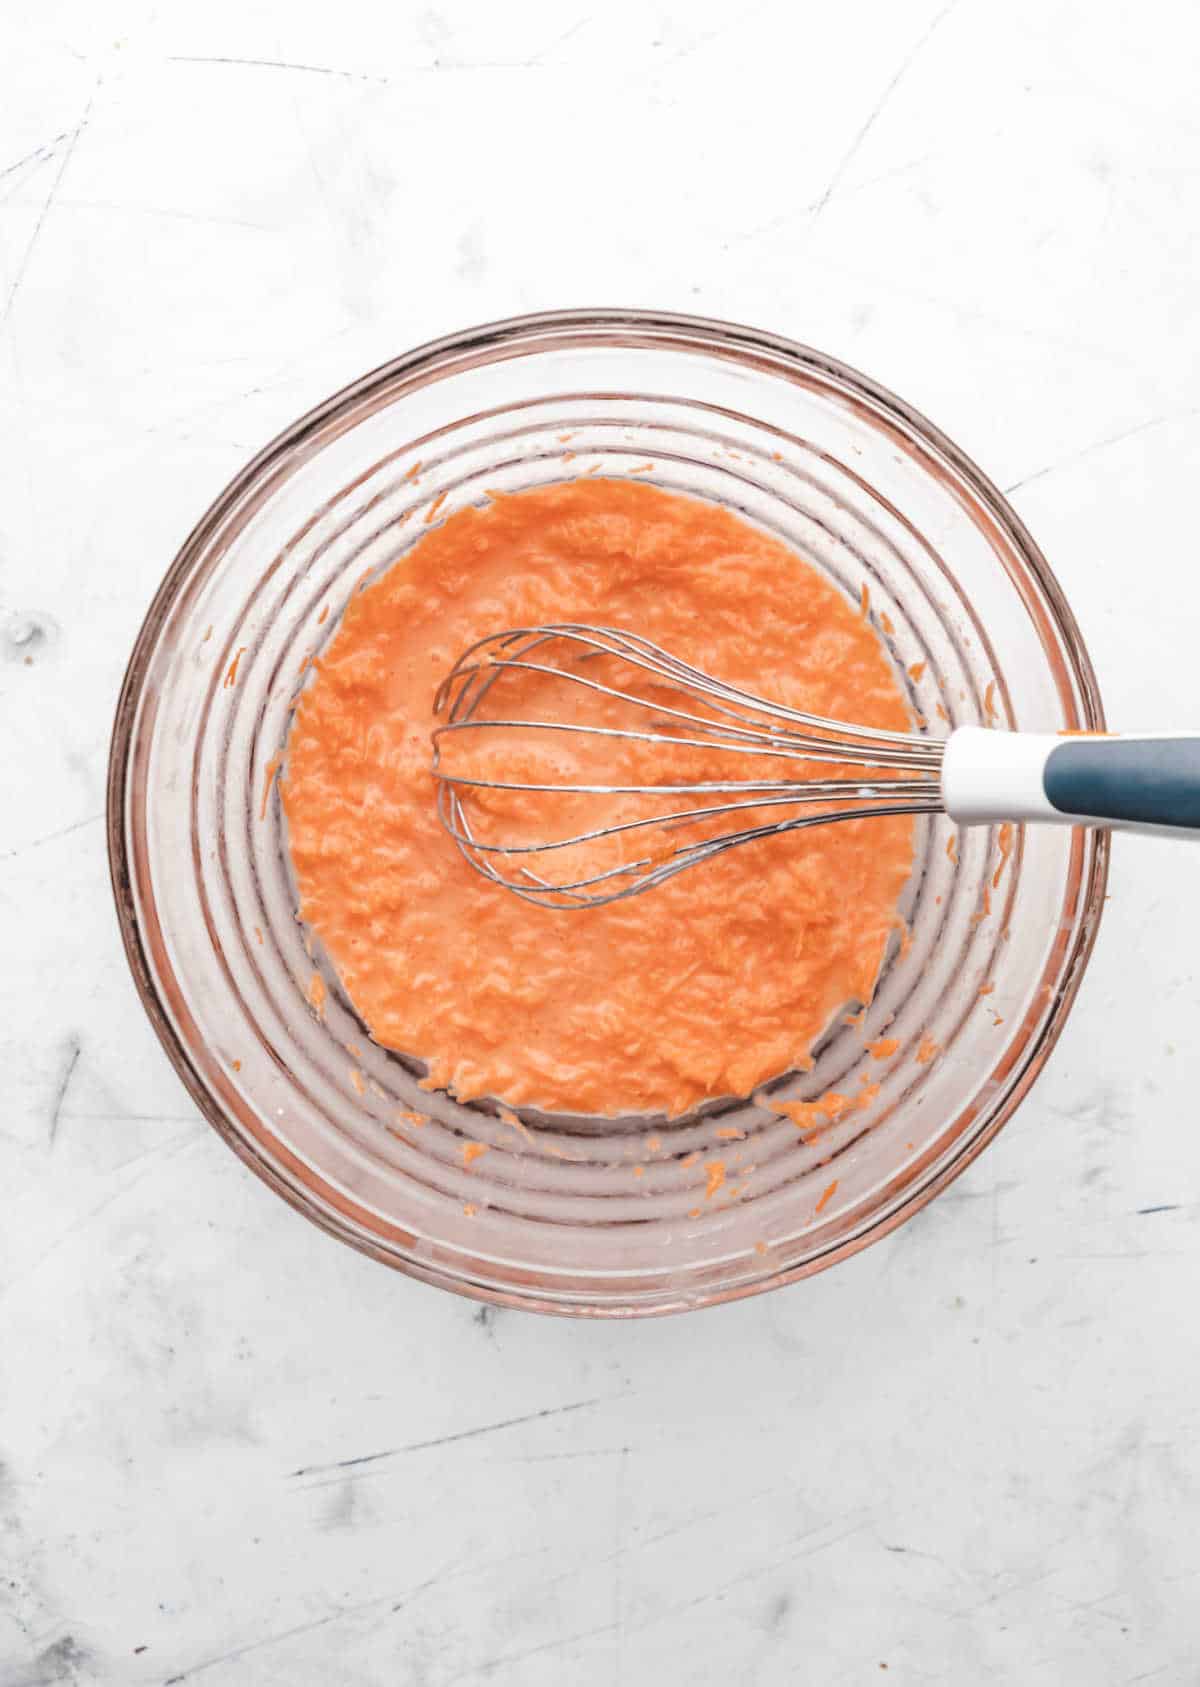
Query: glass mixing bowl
555,1217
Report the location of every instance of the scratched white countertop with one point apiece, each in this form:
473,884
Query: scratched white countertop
231,1450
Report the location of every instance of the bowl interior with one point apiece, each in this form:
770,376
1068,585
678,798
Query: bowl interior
997,927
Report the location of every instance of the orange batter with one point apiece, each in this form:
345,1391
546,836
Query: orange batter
705,986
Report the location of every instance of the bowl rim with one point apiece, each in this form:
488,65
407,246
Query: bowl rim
423,363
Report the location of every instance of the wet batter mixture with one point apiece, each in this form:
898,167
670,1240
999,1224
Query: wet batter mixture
703,987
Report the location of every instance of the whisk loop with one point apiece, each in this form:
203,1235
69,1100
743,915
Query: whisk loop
733,720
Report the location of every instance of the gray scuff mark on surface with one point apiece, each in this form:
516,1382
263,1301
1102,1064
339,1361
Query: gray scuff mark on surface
51,837
572,1457
1164,1207
57,1663
444,1440
777,1612
278,1639
29,636
205,219
73,1050
881,103
88,1218
741,25
344,1510
506,1659
543,53
281,64
668,1612
47,206
124,1118
342,1614
39,155
414,1593
1086,451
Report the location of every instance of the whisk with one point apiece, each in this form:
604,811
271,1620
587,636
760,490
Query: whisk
975,775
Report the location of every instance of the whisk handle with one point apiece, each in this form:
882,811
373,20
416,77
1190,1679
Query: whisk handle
1138,782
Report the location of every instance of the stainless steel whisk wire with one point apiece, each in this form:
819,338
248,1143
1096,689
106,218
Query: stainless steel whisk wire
740,728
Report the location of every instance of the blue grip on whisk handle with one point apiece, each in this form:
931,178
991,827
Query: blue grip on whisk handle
1144,783
1137,781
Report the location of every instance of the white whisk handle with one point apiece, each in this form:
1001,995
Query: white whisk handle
1143,783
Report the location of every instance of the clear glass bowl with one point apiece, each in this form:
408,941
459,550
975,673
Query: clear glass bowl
554,1217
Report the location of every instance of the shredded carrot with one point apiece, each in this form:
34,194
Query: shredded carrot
642,468
693,1212
855,1018
508,1117
595,468
915,672
414,471
864,601
867,1095
272,768
231,676
804,1114
207,635
777,456
323,616
989,700
827,1196
716,1177
639,1171
942,715
407,1118
472,1151
883,1047
952,847
564,437
237,1065
316,994
902,926
557,1153
258,933
568,456
730,1133
357,1079
986,989
653,1144
985,907
688,1160
470,1209
885,621
760,1247
927,1050
433,509
355,1050
997,1019
1004,842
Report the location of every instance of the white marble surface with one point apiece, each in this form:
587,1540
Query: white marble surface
973,1453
